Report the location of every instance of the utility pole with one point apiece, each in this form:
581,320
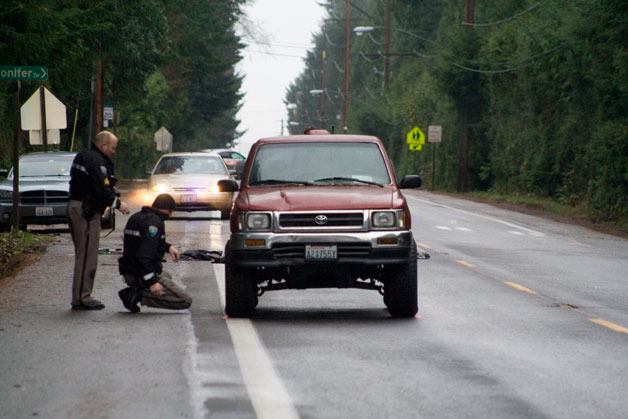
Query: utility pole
92,101
100,93
387,32
324,89
463,122
345,96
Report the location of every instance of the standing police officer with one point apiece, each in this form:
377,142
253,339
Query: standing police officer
140,264
92,190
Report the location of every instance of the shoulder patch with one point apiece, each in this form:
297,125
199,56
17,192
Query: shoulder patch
152,231
103,169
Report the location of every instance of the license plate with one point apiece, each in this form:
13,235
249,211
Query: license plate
314,252
43,212
188,198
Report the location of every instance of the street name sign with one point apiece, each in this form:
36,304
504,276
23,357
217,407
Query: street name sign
23,72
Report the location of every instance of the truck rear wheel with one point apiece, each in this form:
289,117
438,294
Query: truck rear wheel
240,291
400,291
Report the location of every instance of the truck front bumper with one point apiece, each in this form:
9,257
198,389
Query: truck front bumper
276,250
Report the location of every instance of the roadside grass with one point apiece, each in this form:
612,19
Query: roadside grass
15,248
552,209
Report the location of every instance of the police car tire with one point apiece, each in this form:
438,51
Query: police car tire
401,288
240,291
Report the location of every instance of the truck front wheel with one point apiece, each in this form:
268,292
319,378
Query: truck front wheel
240,291
400,290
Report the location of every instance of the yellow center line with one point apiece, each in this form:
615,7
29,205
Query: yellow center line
465,263
519,287
610,325
424,246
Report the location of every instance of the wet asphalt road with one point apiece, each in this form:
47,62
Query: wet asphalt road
519,317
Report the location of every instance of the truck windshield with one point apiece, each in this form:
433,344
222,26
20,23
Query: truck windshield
320,163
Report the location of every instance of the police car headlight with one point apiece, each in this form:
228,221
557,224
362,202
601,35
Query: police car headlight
160,188
387,219
257,221
6,195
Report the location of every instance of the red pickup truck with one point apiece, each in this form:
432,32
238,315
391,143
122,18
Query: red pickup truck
321,211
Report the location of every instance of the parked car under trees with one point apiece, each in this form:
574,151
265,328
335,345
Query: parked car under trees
44,185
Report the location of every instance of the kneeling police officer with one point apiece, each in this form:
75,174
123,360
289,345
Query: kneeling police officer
140,264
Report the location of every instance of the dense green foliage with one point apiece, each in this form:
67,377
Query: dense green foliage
167,63
540,87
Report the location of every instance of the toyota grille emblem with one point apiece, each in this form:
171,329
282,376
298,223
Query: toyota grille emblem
320,219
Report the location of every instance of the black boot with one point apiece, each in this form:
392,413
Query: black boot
130,298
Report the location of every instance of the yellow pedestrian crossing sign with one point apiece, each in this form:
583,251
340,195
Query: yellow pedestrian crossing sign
415,139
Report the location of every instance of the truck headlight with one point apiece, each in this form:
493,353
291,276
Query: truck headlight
383,219
257,221
6,195
387,219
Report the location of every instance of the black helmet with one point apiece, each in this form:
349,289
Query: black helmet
164,202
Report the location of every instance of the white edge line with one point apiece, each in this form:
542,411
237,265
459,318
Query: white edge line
191,370
487,217
268,396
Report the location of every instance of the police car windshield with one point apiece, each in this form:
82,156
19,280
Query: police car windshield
46,167
191,165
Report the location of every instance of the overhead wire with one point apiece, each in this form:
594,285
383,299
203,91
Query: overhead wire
361,10
275,54
497,22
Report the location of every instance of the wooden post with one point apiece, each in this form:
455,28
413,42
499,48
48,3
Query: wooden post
16,158
387,32
463,121
345,96
324,89
44,129
100,93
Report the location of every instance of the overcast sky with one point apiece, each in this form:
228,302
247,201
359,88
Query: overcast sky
287,28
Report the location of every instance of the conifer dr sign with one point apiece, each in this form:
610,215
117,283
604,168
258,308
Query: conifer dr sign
23,72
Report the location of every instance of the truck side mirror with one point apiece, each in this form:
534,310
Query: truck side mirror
410,181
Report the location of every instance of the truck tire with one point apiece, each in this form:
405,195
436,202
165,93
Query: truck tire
400,291
240,291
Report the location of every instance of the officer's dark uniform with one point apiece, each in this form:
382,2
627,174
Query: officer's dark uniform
144,247
92,190
92,182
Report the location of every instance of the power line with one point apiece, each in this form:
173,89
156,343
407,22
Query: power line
275,53
370,60
521,64
329,41
281,45
497,22
361,10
